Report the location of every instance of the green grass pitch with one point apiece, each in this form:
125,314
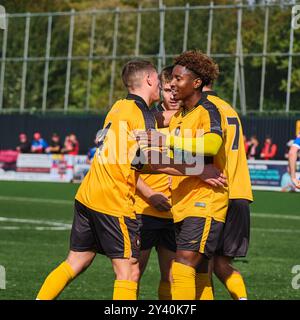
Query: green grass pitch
34,239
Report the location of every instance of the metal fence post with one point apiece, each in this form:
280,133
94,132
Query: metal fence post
25,57
90,66
210,27
290,65
114,56
264,60
69,62
236,68
2,76
242,75
138,31
186,27
161,56
46,72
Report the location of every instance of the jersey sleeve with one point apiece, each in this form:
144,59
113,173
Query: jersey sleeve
297,143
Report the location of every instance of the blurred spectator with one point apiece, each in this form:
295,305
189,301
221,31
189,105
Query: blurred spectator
253,152
91,152
269,149
55,144
71,145
38,145
293,155
24,145
246,144
286,182
287,148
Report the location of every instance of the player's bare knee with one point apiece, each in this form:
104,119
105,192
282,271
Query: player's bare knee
135,272
217,265
80,261
189,258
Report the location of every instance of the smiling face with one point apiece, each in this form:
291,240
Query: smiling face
185,85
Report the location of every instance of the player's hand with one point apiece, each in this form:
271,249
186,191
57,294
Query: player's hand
159,201
213,176
296,183
151,138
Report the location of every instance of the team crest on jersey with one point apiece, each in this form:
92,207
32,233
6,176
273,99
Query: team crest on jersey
177,131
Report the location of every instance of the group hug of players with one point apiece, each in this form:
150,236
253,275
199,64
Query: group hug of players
173,177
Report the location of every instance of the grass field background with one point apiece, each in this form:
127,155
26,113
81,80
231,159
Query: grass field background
34,239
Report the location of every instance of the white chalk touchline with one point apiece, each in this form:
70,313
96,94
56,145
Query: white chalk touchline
275,216
60,226
37,200
33,221
69,202
275,230
34,228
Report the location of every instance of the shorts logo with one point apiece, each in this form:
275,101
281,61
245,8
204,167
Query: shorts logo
193,241
137,242
200,204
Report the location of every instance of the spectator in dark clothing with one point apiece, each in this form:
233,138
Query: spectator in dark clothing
55,144
269,150
38,145
252,150
24,145
71,145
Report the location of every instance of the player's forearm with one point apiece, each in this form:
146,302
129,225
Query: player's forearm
143,188
208,144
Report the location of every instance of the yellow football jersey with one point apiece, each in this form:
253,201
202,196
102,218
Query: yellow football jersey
109,186
190,195
159,183
238,176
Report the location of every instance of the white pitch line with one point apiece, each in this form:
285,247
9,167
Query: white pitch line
275,230
34,228
69,202
275,216
269,230
37,200
33,221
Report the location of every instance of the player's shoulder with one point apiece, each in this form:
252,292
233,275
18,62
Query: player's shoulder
124,109
222,105
208,107
297,142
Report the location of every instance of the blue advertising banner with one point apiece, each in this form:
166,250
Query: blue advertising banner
271,175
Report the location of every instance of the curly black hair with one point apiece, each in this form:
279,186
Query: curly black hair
200,64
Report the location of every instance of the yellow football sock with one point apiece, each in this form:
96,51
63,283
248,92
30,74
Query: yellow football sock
204,289
56,282
183,286
164,290
125,290
236,286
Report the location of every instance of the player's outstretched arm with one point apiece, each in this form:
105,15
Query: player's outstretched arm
293,154
208,144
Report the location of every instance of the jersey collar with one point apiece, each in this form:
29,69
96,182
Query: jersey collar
137,98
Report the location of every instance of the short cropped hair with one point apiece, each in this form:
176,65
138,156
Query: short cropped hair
166,75
200,64
133,71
